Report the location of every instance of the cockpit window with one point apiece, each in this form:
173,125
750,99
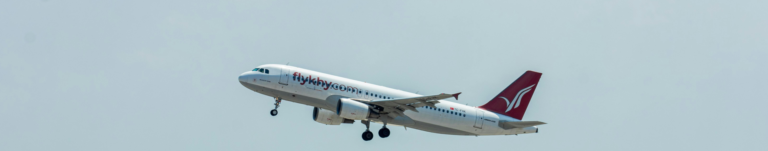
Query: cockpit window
262,70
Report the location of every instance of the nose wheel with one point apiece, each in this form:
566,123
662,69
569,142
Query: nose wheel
277,104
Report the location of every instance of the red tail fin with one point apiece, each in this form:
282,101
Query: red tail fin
514,99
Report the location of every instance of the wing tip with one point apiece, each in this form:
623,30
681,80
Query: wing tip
456,95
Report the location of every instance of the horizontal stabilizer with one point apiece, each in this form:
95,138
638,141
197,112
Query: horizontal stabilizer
518,124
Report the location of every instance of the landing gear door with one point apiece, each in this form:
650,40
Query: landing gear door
284,76
479,115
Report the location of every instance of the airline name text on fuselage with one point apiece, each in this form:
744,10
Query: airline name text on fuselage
325,84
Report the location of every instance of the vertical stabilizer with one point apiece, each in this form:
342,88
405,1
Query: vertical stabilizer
515,98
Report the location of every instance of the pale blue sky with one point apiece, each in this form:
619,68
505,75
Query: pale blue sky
161,75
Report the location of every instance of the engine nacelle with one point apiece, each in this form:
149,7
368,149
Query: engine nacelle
328,117
351,109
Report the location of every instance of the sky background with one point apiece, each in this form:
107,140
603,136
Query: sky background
162,75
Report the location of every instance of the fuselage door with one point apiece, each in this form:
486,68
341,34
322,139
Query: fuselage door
284,76
479,119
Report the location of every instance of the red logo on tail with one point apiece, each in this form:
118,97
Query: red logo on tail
520,93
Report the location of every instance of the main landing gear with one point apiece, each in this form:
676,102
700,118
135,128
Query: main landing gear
384,132
368,135
277,104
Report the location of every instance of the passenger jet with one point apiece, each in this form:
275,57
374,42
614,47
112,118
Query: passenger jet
340,100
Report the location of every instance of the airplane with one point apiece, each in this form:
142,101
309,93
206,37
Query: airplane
340,100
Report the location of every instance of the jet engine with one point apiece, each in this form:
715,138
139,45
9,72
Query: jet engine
352,109
328,117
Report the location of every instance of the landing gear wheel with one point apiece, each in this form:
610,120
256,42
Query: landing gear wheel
384,132
367,135
277,104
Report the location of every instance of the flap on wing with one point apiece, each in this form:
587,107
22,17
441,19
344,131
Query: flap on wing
422,99
414,102
518,124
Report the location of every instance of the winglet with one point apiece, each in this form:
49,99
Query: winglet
456,95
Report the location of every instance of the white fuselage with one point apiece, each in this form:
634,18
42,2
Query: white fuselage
323,90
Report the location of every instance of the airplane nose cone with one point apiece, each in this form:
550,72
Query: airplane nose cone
243,77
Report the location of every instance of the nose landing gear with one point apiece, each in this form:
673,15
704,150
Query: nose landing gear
277,104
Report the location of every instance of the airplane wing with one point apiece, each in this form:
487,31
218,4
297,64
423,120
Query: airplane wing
397,106
518,124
